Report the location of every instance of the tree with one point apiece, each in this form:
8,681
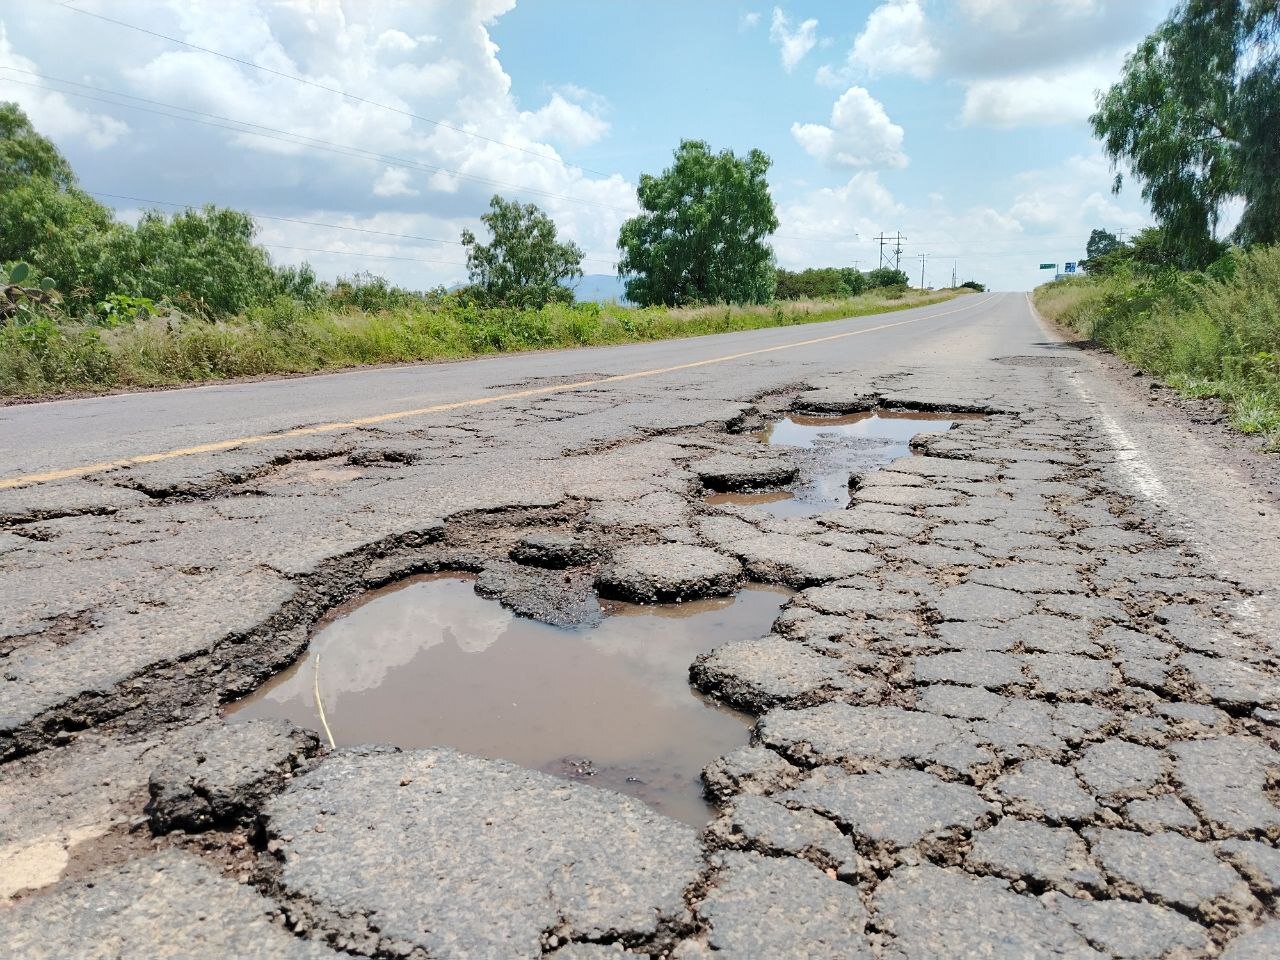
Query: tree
524,265
822,283
886,277
25,154
1195,115
203,257
700,237
1100,242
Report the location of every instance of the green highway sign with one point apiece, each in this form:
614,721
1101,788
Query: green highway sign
1048,266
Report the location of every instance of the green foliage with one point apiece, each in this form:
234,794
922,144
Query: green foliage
204,261
524,265
118,309
822,283
1208,333
1151,251
887,277
25,154
368,291
700,236
973,285
1100,242
283,335
1194,116
23,298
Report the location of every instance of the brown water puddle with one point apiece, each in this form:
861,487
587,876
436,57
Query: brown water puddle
835,448
429,663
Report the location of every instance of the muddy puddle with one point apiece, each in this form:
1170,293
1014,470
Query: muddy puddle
427,662
830,450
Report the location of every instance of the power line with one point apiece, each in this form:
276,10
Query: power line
351,253
301,140
284,136
320,86
312,223
235,125
923,257
268,216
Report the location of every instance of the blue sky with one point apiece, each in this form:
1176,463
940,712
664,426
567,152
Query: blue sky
961,123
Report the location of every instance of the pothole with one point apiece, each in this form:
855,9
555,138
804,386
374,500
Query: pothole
831,449
781,503
427,662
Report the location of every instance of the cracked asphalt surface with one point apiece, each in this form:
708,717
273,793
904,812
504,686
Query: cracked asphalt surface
1024,701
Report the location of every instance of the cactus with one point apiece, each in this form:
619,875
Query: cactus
17,299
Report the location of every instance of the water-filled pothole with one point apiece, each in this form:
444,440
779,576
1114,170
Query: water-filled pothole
427,662
832,449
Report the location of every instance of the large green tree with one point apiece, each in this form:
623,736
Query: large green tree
700,236
524,265
202,259
1196,116
45,218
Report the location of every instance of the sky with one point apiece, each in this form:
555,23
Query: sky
365,135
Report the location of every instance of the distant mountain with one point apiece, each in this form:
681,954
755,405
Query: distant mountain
600,287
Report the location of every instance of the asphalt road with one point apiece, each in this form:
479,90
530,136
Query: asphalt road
69,433
1021,699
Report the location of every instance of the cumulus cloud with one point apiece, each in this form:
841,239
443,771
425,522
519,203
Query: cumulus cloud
1020,63
564,121
860,134
53,114
394,182
749,20
1048,218
793,45
1037,99
895,40
430,58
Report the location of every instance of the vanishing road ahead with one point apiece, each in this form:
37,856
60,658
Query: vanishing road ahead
390,662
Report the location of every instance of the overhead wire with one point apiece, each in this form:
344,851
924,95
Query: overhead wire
284,136
312,223
68,5
250,128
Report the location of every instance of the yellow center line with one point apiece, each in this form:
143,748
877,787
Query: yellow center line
31,479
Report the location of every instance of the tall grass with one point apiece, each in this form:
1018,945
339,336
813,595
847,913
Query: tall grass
1207,336
52,355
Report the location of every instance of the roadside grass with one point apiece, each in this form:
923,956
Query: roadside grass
1206,336
50,355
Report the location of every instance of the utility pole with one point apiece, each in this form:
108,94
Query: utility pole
897,238
923,257
954,264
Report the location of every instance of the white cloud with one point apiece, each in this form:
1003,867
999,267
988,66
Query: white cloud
794,45
749,21
1047,219
895,40
1020,63
430,58
51,112
394,182
395,40
1065,96
860,135
564,121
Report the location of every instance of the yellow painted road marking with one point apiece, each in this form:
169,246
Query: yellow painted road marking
31,479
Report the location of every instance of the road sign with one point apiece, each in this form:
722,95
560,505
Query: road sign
1048,266
1069,267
